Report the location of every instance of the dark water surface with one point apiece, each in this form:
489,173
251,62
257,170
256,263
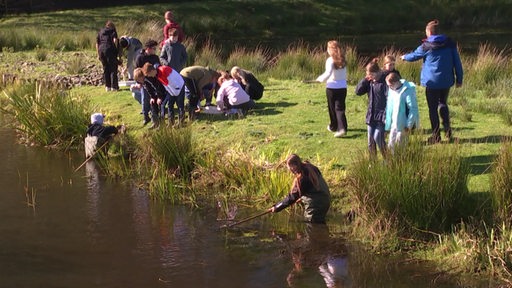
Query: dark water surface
86,231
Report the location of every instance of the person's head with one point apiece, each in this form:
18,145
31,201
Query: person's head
173,35
150,46
138,75
294,164
235,72
110,24
222,77
97,118
123,42
393,81
168,16
149,70
372,69
334,51
389,62
432,28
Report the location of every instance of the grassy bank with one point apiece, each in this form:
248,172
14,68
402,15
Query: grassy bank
462,216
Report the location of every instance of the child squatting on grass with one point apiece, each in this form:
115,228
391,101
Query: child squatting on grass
232,96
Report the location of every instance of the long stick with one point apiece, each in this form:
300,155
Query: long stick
246,219
90,157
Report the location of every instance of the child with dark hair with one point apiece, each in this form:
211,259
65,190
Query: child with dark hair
133,47
107,49
401,109
374,85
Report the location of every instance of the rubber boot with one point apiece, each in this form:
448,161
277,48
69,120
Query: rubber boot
155,122
181,119
171,120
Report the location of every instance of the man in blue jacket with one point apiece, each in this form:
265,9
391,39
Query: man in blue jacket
441,69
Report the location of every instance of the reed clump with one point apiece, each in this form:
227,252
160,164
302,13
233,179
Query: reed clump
46,115
418,188
241,176
501,183
167,158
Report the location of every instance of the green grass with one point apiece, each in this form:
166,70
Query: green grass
243,155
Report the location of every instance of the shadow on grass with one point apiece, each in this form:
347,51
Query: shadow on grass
480,164
262,108
487,139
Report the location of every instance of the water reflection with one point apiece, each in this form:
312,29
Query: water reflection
315,249
88,231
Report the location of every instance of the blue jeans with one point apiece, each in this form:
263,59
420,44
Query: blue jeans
376,138
170,101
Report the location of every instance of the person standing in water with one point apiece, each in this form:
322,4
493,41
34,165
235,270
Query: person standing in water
309,187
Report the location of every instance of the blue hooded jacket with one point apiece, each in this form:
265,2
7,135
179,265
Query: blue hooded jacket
441,62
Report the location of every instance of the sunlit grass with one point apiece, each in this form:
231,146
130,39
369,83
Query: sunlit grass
45,115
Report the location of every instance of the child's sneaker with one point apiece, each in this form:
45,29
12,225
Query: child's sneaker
340,133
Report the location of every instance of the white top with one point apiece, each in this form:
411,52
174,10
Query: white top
235,93
336,78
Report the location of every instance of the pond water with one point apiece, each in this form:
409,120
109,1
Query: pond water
64,229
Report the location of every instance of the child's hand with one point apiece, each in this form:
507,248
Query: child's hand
159,101
152,101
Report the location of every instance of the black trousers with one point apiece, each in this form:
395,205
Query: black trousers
437,100
108,59
336,106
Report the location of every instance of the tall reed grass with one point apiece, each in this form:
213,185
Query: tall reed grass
418,188
298,62
45,115
242,177
501,183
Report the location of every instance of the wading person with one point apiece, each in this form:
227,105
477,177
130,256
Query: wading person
401,109
441,69
309,187
107,50
374,85
336,88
